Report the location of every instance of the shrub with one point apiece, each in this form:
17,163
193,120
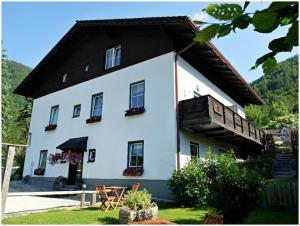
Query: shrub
189,184
138,200
261,164
234,192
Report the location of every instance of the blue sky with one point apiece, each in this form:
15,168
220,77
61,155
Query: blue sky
31,29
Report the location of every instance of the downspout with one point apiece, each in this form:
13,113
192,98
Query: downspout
177,101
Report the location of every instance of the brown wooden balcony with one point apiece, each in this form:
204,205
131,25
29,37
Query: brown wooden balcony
208,116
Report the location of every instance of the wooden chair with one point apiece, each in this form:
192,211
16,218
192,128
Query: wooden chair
135,188
107,201
213,219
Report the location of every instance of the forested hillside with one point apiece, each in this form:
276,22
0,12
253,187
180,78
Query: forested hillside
279,90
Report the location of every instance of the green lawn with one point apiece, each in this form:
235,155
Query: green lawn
173,213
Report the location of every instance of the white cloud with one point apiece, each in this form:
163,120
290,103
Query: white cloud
201,16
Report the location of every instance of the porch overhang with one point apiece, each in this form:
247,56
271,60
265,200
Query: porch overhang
75,144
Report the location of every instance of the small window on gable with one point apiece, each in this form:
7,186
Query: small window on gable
76,111
92,155
43,159
113,57
86,67
64,78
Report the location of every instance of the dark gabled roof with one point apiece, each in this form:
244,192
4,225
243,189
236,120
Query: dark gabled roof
206,58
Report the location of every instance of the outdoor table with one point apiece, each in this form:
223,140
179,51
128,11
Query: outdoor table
118,191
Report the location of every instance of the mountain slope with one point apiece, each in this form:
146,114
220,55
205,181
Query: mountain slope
281,84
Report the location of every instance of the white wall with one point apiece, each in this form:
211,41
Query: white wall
110,137
190,78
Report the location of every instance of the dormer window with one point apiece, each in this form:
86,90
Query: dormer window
64,78
113,57
86,67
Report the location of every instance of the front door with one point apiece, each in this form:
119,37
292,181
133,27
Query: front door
72,174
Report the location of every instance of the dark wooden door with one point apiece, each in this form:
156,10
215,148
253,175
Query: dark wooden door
72,174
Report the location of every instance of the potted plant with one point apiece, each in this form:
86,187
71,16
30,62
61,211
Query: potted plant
138,207
134,111
55,158
39,171
93,119
50,127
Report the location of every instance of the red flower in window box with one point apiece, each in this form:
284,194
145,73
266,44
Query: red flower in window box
39,171
134,111
133,171
93,119
50,127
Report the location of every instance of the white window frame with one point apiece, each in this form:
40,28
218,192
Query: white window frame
194,144
43,159
137,96
91,151
110,63
130,147
78,106
53,108
94,102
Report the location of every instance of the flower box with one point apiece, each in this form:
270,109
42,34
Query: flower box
133,171
50,127
134,111
93,119
39,171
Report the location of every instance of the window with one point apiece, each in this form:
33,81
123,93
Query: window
76,111
135,152
43,159
92,155
194,150
137,94
53,115
97,102
64,78
86,67
113,57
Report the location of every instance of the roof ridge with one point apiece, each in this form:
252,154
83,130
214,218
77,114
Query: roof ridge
134,19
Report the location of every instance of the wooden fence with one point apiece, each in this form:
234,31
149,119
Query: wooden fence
268,143
281,196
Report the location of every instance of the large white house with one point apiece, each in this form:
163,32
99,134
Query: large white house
137,98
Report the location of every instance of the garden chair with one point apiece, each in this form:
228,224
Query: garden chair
107,201
213,219
135,188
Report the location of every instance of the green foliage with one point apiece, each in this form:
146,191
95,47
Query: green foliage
19,161
279,90
262,164
264,21
189,184
234,192
138,200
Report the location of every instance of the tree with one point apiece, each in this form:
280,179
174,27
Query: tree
234,16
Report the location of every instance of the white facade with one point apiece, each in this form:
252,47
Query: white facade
110,137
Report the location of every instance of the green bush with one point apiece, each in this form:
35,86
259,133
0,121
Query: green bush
19,161
234,192
261,164
138,200
189,184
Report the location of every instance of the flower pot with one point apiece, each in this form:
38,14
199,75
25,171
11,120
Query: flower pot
127,215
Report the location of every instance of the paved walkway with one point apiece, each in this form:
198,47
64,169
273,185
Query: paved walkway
25,204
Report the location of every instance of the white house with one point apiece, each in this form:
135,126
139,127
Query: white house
137,99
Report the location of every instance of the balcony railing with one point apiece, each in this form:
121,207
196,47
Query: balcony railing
208,116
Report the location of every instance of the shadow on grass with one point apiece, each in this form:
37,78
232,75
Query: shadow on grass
108,220
187,221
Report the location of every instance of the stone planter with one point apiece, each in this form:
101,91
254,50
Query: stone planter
127,215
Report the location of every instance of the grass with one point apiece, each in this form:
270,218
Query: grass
179,215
